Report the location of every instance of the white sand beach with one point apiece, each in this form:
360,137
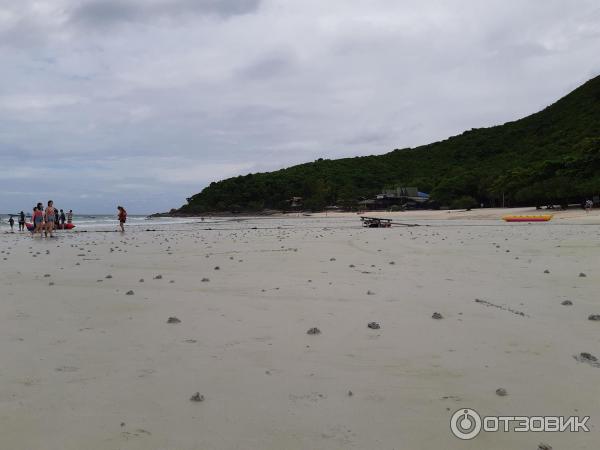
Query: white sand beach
86,366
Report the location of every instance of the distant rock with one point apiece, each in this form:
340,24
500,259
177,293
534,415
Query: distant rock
567,303
585,357
173,320
197,397
594,317
373,325
437,316
129,293
501,392
313,331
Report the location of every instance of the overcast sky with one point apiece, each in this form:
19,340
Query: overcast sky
145,102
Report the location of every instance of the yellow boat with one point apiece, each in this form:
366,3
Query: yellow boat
541,218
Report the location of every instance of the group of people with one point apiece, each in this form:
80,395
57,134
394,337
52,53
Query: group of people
49,219
46,220
43,220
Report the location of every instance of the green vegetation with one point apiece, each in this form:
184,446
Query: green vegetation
464,202
550,156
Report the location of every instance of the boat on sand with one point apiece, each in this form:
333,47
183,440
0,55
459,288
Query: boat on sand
538,218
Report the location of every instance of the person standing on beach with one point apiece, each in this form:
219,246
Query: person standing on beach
70,216
50,218
37,217
122,218
11,222
21,221
62,219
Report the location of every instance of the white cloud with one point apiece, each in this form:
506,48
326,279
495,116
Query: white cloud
29,102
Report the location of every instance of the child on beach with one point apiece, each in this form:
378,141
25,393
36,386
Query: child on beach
122,218
11,222
50,218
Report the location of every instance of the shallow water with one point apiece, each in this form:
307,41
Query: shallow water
105,221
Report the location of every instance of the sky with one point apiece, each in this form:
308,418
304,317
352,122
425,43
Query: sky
145,102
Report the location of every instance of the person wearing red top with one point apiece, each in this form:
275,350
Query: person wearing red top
50,218
122,218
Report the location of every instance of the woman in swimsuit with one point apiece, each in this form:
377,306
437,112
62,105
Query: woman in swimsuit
50,217
37,217
122,218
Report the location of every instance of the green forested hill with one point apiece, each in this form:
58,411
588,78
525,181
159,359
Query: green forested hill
552,155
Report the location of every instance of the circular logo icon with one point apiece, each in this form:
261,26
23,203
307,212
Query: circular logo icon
465,424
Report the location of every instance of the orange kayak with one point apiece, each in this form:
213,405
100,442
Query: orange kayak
542,218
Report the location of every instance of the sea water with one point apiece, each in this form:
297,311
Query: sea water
106,221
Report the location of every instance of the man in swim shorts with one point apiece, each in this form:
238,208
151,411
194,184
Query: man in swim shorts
21,221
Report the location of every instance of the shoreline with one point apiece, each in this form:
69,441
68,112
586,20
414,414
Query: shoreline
575,214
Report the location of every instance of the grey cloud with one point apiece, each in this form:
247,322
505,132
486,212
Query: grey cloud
267,67
105,12
223,8
110,12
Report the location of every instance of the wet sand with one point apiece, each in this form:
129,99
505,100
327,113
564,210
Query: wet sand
91,359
